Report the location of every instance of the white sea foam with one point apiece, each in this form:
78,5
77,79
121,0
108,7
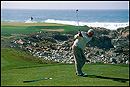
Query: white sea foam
108,25
29,21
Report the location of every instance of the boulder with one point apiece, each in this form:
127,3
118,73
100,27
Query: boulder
101,42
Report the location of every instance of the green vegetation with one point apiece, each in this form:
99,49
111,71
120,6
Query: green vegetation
25,28
13,58
29,24
18,66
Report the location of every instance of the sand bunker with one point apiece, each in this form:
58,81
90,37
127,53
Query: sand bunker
53,29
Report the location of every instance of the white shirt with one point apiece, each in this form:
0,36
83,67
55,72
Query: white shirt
81,41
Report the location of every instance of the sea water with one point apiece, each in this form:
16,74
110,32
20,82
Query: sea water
110,18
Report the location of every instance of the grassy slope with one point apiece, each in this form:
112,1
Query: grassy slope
16,69
13,58
17,66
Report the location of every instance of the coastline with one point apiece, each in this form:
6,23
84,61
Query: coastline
107,25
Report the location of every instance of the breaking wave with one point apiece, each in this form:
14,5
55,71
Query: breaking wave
108,25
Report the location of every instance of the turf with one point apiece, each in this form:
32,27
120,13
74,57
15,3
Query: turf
8,28
16,69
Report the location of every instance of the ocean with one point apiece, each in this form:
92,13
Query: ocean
110,19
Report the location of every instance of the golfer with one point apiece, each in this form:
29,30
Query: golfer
31,18
82,38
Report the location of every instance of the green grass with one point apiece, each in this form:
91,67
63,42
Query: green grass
18,66
13,58
28,24
8,28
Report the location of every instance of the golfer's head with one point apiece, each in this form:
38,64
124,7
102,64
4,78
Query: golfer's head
90,33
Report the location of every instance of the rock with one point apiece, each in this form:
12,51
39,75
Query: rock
113,60
127,62
101,42
97,52
60,37
88,55
72,57
102,56
107,46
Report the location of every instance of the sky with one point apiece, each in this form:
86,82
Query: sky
65,4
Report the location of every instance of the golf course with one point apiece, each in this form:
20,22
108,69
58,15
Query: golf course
18,66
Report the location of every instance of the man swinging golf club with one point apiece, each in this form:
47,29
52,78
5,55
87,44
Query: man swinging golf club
82,38
79,44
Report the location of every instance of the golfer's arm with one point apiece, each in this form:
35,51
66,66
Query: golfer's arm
76,36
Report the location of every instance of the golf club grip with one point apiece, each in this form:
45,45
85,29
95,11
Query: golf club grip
33,80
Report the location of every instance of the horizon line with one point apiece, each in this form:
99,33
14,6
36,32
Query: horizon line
64,9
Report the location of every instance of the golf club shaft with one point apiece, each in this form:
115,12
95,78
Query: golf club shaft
77,19
35,80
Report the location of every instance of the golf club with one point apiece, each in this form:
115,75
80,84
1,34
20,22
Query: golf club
36,80
77,19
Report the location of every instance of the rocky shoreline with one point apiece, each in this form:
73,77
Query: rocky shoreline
107,46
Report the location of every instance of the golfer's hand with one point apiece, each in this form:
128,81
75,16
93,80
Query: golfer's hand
79,32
